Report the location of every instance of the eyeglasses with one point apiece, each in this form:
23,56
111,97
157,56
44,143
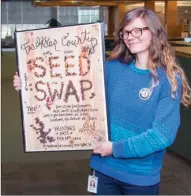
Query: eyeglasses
137,32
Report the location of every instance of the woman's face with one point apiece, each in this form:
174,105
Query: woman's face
141,38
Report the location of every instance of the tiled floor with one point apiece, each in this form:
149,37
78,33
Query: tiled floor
70,177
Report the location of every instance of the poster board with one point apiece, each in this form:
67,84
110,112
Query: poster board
63,94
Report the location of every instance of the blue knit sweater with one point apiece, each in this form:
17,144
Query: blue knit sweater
141,127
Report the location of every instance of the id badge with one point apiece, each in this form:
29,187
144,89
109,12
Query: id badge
92,183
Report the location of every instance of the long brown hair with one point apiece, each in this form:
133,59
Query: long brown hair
160,51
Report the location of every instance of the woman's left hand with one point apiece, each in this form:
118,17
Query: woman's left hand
104,149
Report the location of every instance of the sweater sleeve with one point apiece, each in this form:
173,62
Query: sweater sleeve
163,131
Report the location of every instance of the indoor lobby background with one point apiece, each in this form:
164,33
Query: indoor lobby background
67,172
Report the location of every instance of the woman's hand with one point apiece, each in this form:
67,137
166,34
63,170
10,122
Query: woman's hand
17,82
104,149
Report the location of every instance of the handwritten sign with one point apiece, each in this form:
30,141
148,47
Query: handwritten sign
63,95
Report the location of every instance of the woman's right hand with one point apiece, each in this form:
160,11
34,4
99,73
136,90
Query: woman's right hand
17,82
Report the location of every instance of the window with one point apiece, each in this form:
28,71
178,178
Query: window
88,14
21,15
67,15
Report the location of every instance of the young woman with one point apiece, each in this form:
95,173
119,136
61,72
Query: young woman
145,87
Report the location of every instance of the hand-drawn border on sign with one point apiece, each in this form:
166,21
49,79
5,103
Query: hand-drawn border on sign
18,71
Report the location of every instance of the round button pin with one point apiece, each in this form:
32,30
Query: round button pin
144,93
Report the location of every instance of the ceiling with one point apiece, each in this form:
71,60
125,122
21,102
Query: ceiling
98,2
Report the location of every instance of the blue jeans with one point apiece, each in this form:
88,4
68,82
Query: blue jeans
111,186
